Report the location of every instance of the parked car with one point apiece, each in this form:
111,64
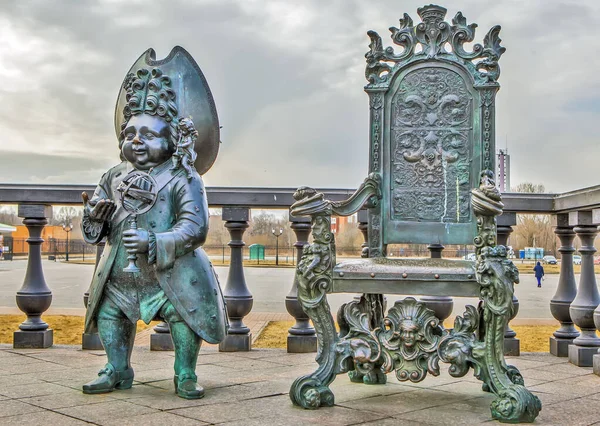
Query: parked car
470,256
576,259
550,260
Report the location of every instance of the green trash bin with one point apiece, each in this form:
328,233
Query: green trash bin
257,252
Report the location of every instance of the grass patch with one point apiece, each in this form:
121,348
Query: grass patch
527,268
67,328
534,338
256,263
274,335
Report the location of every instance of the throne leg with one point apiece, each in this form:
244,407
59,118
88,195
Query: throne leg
312,390
514,403
374,306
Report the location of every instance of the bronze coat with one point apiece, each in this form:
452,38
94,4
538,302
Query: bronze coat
179,220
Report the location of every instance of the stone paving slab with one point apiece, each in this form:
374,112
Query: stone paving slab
43,386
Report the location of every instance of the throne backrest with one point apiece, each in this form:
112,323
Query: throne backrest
431,128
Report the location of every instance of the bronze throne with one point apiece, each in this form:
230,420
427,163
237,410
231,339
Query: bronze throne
430,182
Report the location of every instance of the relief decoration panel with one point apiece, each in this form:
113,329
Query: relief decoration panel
431,147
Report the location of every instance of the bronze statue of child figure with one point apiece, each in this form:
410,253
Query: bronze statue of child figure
176,281
184,155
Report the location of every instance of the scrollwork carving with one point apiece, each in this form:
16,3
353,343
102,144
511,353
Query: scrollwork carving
433,34
497,275
411,336
487,204
406,341
376,125
431,176
411,341
315,270
314,280
457,347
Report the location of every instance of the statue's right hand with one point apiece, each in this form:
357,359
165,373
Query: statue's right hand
99,210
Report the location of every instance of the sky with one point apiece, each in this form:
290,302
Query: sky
288,78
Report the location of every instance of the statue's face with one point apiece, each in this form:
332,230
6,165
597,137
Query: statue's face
146,142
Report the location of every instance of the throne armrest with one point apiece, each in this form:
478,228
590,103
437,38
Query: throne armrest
309,202
318,258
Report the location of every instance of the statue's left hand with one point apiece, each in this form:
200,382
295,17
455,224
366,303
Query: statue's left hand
136,240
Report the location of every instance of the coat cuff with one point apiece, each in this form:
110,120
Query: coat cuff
93,231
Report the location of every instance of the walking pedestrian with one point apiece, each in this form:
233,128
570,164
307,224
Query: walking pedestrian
539,273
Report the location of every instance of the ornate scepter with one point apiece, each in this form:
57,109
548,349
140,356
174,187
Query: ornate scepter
138,194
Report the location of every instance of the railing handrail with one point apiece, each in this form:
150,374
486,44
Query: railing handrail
281,198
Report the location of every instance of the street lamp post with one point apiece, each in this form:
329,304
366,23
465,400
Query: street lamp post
277,235
67,228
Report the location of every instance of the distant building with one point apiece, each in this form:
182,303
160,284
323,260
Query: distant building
339,223
503,174
49,233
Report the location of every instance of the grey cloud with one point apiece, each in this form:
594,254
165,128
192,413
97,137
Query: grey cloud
40,168
287,79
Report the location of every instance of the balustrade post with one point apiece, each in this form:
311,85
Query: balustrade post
91,341
566,290
441,305
237,296
505,222
161,339
596,357
34,297
363,227
582,308
302,337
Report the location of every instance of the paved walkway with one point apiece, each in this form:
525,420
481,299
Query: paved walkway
269,286
41,387
255,321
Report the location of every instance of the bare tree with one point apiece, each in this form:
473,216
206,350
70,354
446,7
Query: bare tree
533,230
529,188
66,215
8,216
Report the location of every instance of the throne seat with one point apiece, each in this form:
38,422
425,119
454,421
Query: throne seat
412,276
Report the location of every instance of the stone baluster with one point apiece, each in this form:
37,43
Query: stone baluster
512,345
91,341
566,290
302,337
596,357
441,305
237,296
363,226
582,308
161,339
34,297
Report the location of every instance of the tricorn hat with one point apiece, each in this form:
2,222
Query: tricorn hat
192,97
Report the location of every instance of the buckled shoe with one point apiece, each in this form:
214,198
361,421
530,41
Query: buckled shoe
109,379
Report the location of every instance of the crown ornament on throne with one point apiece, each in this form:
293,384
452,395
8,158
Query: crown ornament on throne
438,39
432,13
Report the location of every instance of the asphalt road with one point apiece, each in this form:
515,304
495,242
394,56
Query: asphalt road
269,286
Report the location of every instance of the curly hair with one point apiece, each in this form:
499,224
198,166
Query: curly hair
150,92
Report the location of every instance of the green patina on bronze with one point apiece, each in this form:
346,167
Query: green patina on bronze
432,142
152,210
